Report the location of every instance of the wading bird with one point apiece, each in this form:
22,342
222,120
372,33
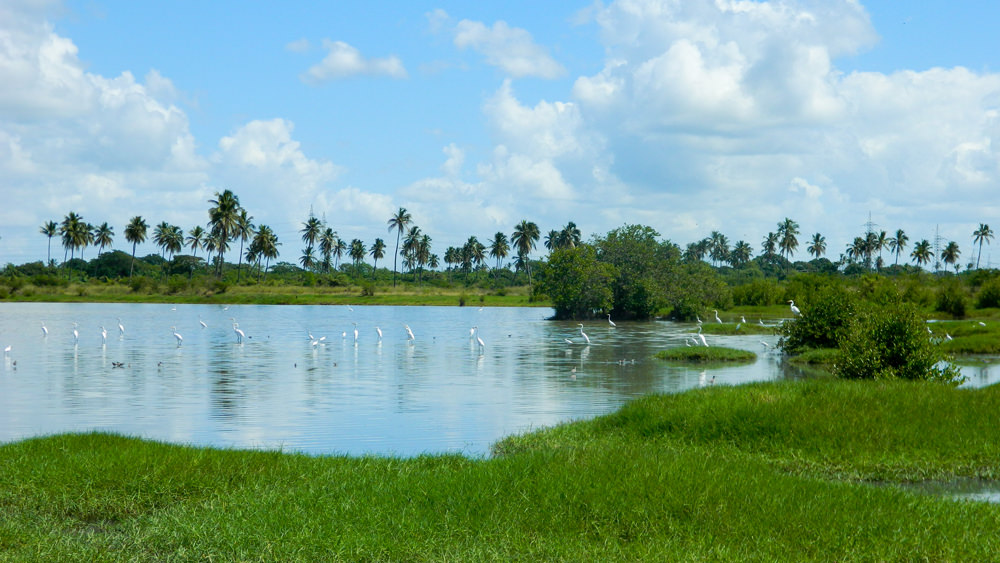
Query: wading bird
479,340
239,333
409,333
104,336
611,322
584,334
795,310
379,331
121,327
717,319
45,330
180,339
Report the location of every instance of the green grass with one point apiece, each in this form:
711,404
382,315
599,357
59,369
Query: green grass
816,357
762,472
743,328
702,354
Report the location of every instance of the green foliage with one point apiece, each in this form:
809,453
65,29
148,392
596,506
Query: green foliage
989,294
952,299
692,287
702,354
823,322
758,293
641,264
891,342
576,282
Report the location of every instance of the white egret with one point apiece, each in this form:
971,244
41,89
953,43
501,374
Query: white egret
202,323
765,344
611,322
702,337
717,319
409,333
584,334
121,327
180,339
104,335
45,330
743,320
379,331
239,333
795,310
686,343
355,331
568,341
947,336
761,322
76,334
479,340
697,318
6,351
981,323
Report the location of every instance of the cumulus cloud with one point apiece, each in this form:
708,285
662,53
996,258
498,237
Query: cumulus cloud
343,61
511,49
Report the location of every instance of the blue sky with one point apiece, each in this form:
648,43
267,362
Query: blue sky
686,116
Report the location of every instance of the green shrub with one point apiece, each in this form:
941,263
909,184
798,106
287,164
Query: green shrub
758,293
951,299
822,323
891,342
989,295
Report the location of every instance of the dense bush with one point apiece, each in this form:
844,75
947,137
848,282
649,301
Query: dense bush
758,293
823,322
576,282
891,342
952,299
989,294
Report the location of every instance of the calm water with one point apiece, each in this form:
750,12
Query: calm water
277,389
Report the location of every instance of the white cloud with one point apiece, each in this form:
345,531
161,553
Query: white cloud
298,46
343,61
512,49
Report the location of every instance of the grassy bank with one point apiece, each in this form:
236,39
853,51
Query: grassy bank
757,472
281,295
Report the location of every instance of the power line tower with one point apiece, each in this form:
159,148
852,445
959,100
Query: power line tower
937,249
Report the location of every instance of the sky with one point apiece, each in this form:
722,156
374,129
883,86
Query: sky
687,116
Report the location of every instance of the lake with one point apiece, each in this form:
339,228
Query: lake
331,393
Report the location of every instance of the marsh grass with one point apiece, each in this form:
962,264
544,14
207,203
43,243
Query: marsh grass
762,472
702,354
739,328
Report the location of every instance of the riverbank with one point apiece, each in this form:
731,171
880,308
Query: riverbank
764,471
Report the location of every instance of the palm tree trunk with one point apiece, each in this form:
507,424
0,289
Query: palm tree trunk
394,257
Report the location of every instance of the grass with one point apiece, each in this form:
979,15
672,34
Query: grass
816,357
739,328
761,472
282,295
703,354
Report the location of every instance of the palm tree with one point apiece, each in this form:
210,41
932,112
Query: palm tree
552,240
979,236
951,254
327,240
741,254
69,229
523,238
264,244
922,253
377,253
718,247
357,253
339,248
769,245
411,243
49,229
222,219
103,236
787,241
452,256
881,241
160,236
196,239
499,249
817,247
423,254
311,230
570,236
135,232
308,259
243,230
898,243
399,221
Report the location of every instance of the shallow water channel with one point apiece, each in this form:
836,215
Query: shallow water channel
332,394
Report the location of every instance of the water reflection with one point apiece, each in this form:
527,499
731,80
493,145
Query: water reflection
299,380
